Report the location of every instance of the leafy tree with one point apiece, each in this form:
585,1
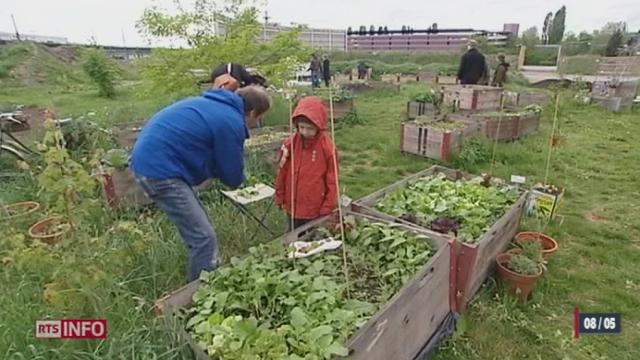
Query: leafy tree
101,69
167,71
557,26
614,43
530,37
546,28
611,27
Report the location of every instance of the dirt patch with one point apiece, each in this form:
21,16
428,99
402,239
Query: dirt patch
595,215
62,53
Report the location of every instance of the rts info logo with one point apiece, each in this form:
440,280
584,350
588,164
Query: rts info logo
71,329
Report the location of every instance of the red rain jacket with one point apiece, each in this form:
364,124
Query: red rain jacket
314,183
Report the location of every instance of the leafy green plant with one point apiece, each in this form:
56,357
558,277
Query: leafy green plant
117,158
473,151
63,181
533,108
102,70
532,250
476,206
523,265
268,306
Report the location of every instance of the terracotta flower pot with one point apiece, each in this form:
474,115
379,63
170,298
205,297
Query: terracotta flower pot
521,286
549,245
20,209
50,230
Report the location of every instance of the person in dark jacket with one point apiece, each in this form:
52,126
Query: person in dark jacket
326,71
315,66
187,143
473,66
362,70
500,75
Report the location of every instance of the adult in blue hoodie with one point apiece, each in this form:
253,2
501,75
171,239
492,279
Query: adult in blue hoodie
191,141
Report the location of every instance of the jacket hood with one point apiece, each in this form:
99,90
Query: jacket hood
227,97
313,109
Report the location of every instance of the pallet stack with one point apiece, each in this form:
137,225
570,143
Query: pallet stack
473,97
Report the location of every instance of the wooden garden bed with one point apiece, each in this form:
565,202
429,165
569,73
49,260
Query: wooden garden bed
613,103
415,109
622,89
446,80
474,261
473,97
340,108
402,329
433,141
502,126
533,98
398,78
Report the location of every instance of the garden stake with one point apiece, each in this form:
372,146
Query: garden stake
495,144
553,133
335,170
293,179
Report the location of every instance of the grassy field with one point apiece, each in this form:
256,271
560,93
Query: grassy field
116,265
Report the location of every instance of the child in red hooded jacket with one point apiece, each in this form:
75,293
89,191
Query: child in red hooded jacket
312,191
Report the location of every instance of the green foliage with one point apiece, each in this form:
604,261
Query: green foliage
532,250
270,307
475,206
102,70
64,182
614,43
12,56
546,28
473,151
116,158
530,38
523,265
168,70
556,33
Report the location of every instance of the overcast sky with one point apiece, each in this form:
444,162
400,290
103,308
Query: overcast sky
79,20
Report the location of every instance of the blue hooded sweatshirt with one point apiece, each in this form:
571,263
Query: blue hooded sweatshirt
195,139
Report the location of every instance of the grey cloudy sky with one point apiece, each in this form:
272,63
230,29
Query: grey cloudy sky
78,20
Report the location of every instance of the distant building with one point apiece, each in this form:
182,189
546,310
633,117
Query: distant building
512,29
429,40
326,39
5,36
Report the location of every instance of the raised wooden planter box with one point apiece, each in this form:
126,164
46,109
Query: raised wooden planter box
415,109
505,127
402,329
433,142
474,261
121,190
340,108
128,133
362,86
473,97
426,76
398,79
446,80
622,89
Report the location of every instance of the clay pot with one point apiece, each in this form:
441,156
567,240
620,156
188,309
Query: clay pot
521,286
40,230
549,245
21,209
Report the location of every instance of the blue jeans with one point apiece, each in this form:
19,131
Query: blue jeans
315,79
184,209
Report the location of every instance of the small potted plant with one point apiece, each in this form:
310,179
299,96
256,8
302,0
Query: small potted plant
549,245
520,269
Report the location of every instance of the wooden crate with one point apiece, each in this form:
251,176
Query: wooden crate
340,108
473,97
128,133
431,142
401,329
426,76
504,127
610,88
474,261
398,78
121,190
415,109
446,80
